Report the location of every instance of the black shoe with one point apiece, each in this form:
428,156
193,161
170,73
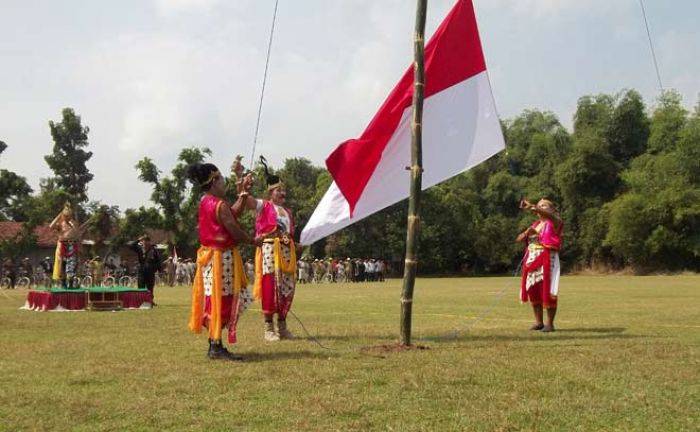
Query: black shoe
218,352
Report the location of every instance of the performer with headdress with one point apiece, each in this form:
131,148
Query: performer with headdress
65,263
540,267
275,259
220,293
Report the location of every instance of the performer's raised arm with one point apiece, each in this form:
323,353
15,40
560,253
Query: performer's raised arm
544,208
225,215
245,200
56,222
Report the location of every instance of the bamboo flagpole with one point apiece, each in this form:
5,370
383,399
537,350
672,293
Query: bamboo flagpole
416,168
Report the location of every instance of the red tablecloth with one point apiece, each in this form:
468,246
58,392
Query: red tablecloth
45,300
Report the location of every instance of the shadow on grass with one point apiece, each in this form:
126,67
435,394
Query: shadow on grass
599,333
345,338
529,337
286,355
592,330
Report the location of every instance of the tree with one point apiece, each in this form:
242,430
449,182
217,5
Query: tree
668,121
44,206
656,223
104,221
68,159
628,129
300,177
134,222
14,193
173,197
593,114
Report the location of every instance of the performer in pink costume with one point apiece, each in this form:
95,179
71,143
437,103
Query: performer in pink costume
541,268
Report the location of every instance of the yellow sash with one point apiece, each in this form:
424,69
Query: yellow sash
206,255
289,267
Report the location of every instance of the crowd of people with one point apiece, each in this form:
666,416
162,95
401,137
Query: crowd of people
339,270
181,271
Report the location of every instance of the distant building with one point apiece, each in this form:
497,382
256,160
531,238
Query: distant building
46,238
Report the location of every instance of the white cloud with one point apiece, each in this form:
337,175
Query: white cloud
178,6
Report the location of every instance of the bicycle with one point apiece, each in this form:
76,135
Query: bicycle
23,282
76,282
5,283
127,281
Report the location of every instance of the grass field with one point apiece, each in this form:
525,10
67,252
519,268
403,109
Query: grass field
625,357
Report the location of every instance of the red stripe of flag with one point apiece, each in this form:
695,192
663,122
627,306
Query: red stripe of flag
452,55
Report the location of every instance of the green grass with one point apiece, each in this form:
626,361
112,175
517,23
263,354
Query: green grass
625,357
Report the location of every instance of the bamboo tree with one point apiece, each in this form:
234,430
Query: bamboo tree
413,228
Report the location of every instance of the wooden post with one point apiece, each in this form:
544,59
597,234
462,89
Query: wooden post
413,227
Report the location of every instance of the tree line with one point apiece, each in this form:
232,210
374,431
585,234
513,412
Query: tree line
626,181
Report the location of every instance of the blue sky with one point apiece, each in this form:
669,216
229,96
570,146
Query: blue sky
152,76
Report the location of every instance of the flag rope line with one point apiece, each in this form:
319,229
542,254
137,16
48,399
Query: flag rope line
495,301
262,91
651,45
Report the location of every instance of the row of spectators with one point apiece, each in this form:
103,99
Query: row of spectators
332,270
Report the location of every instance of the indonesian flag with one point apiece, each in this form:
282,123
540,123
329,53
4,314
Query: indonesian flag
460,130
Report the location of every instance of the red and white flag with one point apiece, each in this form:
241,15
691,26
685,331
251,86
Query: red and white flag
460,130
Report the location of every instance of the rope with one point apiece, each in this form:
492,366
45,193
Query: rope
453,335
651,45
309,336
487,312
262,91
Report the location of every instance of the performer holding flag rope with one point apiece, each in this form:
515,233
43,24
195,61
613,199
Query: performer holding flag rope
220,293
275,258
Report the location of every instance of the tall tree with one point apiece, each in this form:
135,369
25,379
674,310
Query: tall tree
656,223
14,193
300,177
69,157
628,130
668,121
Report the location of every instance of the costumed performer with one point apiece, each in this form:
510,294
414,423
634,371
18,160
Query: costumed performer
276,258
65,264
220,293
540,266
